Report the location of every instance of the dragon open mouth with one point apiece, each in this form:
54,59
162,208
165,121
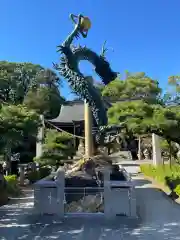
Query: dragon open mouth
83,22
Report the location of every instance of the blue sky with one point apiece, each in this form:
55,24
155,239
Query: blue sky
145,34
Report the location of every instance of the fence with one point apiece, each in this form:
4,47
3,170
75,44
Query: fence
114,199
87,200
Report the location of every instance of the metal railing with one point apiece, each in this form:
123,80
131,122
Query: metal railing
84,199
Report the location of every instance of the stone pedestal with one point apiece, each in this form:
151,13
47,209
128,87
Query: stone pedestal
119,197
49,196
60,192
22,175
157,159
40,137
88,131
108,212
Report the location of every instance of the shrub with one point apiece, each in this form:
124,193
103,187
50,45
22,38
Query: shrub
44,172
177,190
58,147
13,188
165,174
34,176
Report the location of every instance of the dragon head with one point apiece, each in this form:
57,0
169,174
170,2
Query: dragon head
83,23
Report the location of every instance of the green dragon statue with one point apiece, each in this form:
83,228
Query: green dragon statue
83,85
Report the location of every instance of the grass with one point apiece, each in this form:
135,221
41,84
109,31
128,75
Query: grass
169,176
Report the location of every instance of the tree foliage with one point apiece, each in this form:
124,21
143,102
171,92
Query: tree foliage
58,147
44,100
135,86
31,84
169,149
15,80
16,122
142,118
26,90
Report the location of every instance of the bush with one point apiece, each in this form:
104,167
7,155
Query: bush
34,176
13,188
177,190
57,149
44,172
165,174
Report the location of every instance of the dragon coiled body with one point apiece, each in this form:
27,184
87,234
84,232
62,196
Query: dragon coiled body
83,85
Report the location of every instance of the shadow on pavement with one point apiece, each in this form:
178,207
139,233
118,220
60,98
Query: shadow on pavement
13,216
12,220
130,164
159,219
96,229
141,182
159,214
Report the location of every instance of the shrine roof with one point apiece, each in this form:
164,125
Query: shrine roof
73,111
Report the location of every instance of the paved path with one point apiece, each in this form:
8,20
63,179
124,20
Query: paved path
13,217
160,220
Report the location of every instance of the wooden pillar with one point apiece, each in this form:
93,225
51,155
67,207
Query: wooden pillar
22,174
88,130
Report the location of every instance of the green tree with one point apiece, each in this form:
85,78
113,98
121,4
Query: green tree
44,100
142,118
15,79
44,95
57,148
49,78
169,149
135,86
31,84
16,123
35,87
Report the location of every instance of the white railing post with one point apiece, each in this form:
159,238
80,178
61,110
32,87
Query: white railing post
108,211
133,207
60,192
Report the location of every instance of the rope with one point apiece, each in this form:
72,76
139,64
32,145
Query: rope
73,135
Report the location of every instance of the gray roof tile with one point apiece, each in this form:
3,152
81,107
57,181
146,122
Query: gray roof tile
70,113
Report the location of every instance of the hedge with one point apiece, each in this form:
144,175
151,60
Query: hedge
169,176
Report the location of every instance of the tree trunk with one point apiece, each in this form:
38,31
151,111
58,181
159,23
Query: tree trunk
7,158
170,153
